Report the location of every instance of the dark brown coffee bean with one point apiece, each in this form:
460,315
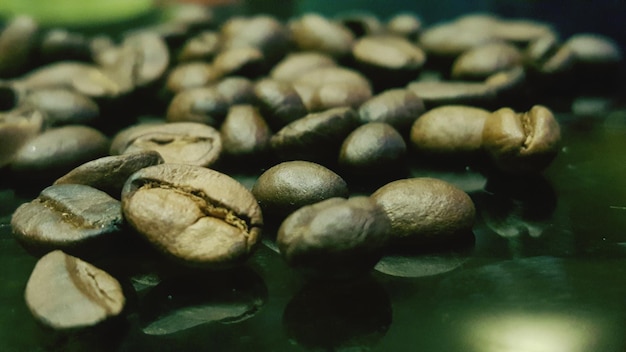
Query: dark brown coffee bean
438,93
58,150
336,238
315,137
63,106
197,216
64,292
372,149
74,218
245,133
17,127
17,43
293,184
329,87
522,142
293,65
313,32
109,173
201,105
480,62
201,47
191,75
407,25
178,142
280,103
452,130
426,212
397,107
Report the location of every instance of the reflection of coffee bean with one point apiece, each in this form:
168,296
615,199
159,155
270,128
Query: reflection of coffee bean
75,218
334,239
197,216
64,292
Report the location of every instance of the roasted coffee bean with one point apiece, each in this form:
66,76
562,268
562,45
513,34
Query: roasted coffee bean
361,23
519,31
262,32
57,75
201,105
510,87
236,90
293,65
407,25
245,133
480,62
522,142
191,75
280,103
440,93
313,32
197,216
63,45
397,107
315,137
594,49
243,61
63,106
74,218
389,61
17,127
373,149
18,42
426,212
291,185
146,54
201,47
109,173
58,150
329,87
450,39
178,142
336,238
453,131
597,59
64,292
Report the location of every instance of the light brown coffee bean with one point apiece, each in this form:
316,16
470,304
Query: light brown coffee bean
405,24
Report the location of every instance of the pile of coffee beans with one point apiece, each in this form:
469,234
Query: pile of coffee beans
143,135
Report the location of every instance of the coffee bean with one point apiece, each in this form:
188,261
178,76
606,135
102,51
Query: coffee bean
522,142
201,47
191,75
17,44
243,61
245,133
236,90
373,149
17,127
280,103
480,62
315,137
200,105
336,238
361,23
178,142
440,93
330,87
63,45
262,32
450,39
58,150
56,75
519,31
407,25
313,32
74,218
63,106
426,212
109,173
197,216
64,292
291,185
293,65
397,107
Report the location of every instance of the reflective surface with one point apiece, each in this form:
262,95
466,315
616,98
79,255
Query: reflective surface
547,272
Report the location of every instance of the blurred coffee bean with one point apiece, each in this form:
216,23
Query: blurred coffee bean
427,212
397,107
62,106
109,173
58,150
241,61
291,185
511,87
374,148
64,292
262,32
18,41
293,65
17,127
597,59
75,218
201,47
63,45
315,137
438,93
279,102
194,215
329,87
524,143
189,143
480,62
407,25
389,61
449,39
361,23
334,239
236,90
520,31
451,131
190,75
313,32
201,105
245,135
57,75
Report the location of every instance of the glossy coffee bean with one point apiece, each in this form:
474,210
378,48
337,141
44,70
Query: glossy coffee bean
74,218
17,127
109,173
522,142
315,137
58,150
200,105
313,32
63,106
177,142
426,212
293,65
67,293
397,107
279,102
291,185
373,149
194,215
17,43
480,62
245,134
452,131
336,238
